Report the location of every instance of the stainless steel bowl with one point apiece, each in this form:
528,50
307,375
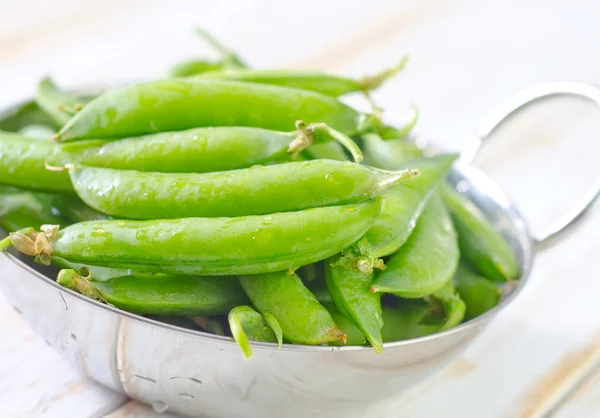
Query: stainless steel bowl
199,374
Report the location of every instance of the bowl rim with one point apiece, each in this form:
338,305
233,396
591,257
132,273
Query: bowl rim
493,190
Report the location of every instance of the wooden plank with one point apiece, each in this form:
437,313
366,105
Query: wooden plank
38,382
584,402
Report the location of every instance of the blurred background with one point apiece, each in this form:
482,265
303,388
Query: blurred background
465,57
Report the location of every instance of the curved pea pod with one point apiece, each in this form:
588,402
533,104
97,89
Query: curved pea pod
350,292
25,115
479,294
174,105
409,319
246,324
302,318
388,154
206,246
22,164
202,150
255,191
160,294
353,335
327,151
403,204
328,84
480,244
427,260
454,307
58,105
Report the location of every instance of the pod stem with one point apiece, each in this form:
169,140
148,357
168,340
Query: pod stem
75,281
229,58
358,258
33,243
371,82
308,134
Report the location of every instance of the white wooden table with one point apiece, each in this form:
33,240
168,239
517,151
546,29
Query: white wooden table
539,357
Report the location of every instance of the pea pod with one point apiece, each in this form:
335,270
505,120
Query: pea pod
20,209
350,292
58,105
39,132
247,324
409,319
160,294
427,260
328,84
454,307
302,318
24,115
403,204
353,335
479,294
480,243
328,151
388,154
22,164
254,191
174,105
203,150
194,67
206,246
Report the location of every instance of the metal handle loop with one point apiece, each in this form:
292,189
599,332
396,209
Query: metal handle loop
501,114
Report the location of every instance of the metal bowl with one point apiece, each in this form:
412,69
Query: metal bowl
199,374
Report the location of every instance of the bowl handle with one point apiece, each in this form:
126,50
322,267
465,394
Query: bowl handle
521,100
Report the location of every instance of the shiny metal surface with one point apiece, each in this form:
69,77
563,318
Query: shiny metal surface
200,374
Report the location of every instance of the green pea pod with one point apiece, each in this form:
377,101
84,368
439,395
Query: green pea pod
427,260
21,209
203,150
58,105
206,246
160,294
257,190
388,154
328,84
194,67
403,204
70,207
409,319
174,105
208,324
454,307
327,151
480,243
479,294
25,115
350,292
353,334
302,318
99,273
246,324
22,164
39,132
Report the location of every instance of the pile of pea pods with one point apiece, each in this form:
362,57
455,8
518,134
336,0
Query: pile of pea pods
251,203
